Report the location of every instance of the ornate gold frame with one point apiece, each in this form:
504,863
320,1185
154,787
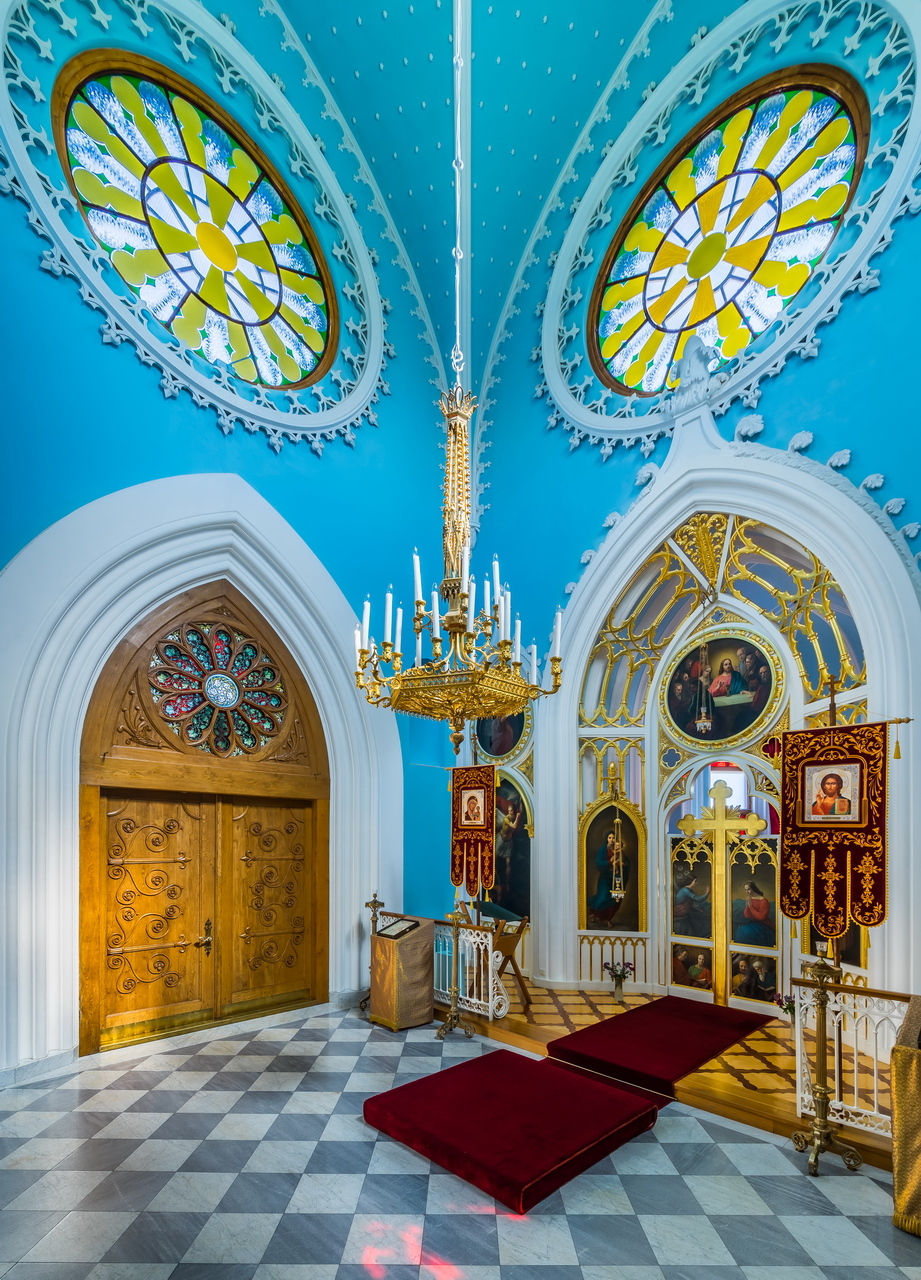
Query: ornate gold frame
520,747
758,729
604,801
108,61
825,77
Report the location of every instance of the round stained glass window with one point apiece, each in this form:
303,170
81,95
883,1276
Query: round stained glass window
196,221
730,229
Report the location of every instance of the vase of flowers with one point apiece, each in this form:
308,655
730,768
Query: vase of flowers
788,1005
619,971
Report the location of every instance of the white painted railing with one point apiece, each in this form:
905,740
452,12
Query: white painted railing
480,987
598,949
862,1025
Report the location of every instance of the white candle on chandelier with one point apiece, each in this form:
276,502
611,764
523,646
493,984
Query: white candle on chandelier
436,620
388,615
398,639
557,628
358,648
471,603
465,568
508,614
417,578
365,623
496,581
486,600
533,663
418,661
516,650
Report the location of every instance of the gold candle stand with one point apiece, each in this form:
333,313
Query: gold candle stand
454,1018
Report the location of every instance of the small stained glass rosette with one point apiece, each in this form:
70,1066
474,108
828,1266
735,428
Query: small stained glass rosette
726,234
217,689
198,225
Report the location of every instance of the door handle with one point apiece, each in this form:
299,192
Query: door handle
206,940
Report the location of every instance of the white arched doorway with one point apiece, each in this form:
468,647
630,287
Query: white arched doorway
843,528
74,592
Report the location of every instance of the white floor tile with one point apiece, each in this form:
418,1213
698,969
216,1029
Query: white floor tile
384,1239
680,1129
448,1194
233,1237
165,1154
280,1157
311,1103
278,1081
215,1101
117,1100
835,1242
244,1126
134,1124
622,1273
393,1157
27,1124
758,1159
596,1193
855,1196
331,1062
62,1189
685,1240
724,1194
81,1237
327,1193
185,1080
40,1153
192,1193
348,1129
783,1273
373,1082
642,1157
526,1241
291,1271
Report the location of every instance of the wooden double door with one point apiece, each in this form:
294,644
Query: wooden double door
205,909
204,851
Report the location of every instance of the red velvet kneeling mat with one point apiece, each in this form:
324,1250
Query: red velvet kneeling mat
654,1045
516,1128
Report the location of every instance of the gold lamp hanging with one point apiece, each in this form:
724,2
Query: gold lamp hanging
475,668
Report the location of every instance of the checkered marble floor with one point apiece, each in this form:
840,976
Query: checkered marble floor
244,1157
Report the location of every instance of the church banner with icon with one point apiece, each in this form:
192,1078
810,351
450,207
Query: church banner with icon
833,826
473,827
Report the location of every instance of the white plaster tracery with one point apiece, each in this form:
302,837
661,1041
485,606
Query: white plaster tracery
869,559
68,598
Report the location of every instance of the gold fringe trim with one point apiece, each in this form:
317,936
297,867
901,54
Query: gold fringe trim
909,1222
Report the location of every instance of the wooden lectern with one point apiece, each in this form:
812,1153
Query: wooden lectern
403,977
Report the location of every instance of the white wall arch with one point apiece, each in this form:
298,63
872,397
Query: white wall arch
73,593
704,472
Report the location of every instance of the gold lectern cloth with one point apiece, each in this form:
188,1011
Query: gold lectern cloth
906,1123
402,978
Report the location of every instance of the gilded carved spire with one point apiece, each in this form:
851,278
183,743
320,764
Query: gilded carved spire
457,407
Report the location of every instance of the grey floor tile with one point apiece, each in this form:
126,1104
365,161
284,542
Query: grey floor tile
13,1182
548,1272
162,1100
703,1273
125,1191
340,1157
79,1124
701,1158
157,1237
188,1124
308,1238
609,1241
259,1193
214,1271
863,1273
23,1229
789,1196
323,1082
296,1128
61,1100
9,1145
358,1271
352,1103
260,1100
900,1248
234,1081
658,1194
101,1153
753,1241
394,1193
202,1062
829,1166
215,1155
50,1270
457,1239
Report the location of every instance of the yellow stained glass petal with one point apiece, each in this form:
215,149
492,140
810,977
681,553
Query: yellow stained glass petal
734,342
831,201
770,273
260,255
794,279
680,183
733,137
168,182
831,137
220,201
214,291
243,174
135,268
728,319
792,113
704,303
747,255
642,238
172,239
96,128
283,230
798,215
671,254
613,295
236,336
761,191
105,195
613,344
130,99
660,308
188,324
313,339
262,306
190,125
708,206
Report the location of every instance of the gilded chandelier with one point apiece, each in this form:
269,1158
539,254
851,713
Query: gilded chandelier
475,669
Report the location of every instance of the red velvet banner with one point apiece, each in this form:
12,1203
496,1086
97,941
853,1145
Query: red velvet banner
833,826
473,827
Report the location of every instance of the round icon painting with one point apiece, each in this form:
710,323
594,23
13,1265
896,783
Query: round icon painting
498,735
719,688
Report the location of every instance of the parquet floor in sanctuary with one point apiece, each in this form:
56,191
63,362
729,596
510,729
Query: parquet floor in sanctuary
754,1082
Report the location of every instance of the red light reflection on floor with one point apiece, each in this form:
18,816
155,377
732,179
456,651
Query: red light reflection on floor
403,1250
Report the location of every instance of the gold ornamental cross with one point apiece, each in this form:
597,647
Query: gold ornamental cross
718,825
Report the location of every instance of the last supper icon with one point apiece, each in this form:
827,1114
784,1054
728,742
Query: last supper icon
719,688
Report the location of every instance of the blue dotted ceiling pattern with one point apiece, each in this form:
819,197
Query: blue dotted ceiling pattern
537,74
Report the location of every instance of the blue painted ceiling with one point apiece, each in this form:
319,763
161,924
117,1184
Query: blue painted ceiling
537,73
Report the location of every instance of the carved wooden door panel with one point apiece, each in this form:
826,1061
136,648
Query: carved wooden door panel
268,901
156,906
